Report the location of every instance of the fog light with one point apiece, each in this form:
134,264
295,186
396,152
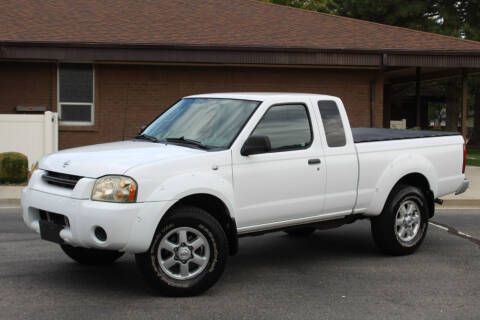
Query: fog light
100,234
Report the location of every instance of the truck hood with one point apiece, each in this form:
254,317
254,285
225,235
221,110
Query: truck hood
112,158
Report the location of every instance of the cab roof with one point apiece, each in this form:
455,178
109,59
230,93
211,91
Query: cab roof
261,96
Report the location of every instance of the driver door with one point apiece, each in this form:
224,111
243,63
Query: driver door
284,185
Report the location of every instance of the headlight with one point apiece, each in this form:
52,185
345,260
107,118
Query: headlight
34,167
115,189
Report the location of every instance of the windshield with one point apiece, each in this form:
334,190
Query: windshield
206,122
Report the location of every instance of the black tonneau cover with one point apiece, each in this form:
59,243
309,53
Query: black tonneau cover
377,134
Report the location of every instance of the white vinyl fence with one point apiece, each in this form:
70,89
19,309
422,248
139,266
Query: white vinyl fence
32,135
398,124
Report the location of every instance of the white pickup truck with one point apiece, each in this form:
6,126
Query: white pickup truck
216,167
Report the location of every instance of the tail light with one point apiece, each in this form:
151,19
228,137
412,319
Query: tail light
464,157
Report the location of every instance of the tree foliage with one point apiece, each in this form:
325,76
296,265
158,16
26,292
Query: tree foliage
459,18
316,5
470,15
420,15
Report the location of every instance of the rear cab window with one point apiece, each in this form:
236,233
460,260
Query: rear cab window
332,123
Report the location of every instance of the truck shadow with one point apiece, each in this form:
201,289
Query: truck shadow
120,279
263,254
327,246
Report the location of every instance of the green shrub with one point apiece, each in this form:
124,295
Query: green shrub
13,167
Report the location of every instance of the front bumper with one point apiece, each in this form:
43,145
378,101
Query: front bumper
129,226
463,187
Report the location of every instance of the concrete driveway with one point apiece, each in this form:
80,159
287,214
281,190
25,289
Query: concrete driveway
336,274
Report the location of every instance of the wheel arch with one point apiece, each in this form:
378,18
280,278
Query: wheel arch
214,206
420,181
409,168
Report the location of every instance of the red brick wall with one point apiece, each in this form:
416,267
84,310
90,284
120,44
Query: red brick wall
129,96
27,84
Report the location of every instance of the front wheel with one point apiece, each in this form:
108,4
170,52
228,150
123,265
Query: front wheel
188,253
403,223
91,256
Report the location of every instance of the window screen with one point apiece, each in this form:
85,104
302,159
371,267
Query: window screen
76,82
332,123
287,127
75,92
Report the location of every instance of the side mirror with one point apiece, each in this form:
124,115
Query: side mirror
255,145
142,128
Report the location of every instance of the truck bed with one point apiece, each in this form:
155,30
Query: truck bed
361,135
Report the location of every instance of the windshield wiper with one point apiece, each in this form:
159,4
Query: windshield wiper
147,137
184,140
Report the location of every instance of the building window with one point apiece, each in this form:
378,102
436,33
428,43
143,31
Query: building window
332,123
75,94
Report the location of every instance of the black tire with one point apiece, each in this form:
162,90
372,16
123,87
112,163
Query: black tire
300,232
214,235
384,229
88,256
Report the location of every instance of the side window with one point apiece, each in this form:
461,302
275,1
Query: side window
332,123
75,93
286,126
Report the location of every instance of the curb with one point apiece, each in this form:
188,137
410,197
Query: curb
9,203
459,203
10,192
447,204
10,196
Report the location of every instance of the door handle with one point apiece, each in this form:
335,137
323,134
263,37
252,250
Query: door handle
314,161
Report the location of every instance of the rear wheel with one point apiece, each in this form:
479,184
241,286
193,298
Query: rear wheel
300,232
91,256
403,224
187,255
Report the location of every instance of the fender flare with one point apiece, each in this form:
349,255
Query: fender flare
396,170
172,189
219,188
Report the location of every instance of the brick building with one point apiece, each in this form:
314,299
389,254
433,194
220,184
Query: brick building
109,67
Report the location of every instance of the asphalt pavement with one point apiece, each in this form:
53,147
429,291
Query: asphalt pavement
334,274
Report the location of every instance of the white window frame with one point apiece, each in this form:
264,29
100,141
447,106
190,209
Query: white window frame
92,104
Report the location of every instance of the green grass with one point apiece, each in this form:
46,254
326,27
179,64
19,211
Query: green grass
473,156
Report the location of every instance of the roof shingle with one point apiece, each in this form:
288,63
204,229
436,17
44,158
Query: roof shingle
232,23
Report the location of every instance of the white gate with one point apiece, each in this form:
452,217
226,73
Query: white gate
32,135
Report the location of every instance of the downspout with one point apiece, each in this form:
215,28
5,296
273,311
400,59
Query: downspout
372,92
